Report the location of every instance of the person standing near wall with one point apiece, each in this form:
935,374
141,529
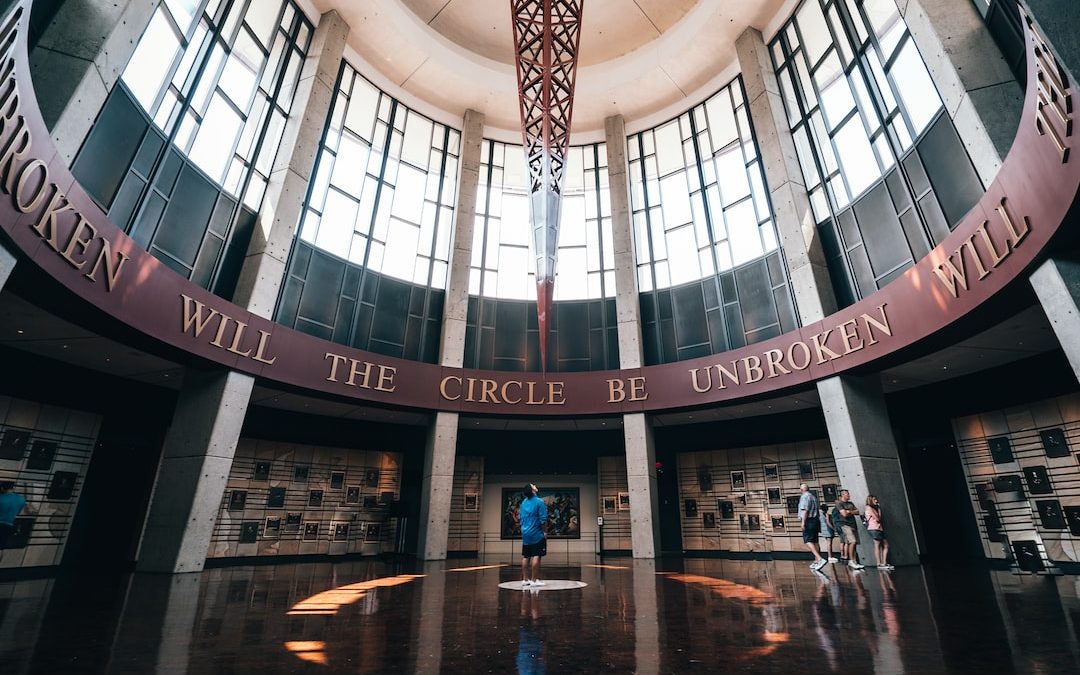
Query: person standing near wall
809,516
849,528
876,530
533,515
11,503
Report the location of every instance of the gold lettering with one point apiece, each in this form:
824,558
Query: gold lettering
47,220
732,374
995,256
791,355
442,387
849,335
753,372
260,350
637,389
334,363
238,335
354,371
39,193
882,325
955,276
470,397
555,393
616,391
10,154
105,256
693,381
1016,235
487,388
505,392
773,358
76,241
222,323
821,349
386,379
531,399
970,245
193,315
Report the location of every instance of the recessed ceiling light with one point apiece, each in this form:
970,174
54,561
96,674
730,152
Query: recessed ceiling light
20,331
65,346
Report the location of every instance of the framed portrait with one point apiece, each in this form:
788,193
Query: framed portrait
292,522
610,504
13,443
275,498
249,532
42,454
753,522
1000,449
744,524
1038,480
372,533
386,497
337,480
237,500
261,471
690,508
301,472
624,501
352,494
708,520
272,527
774,495
778,523
62,486
315,497
704,480
1050,515
371,478
1027,556
772,473
1054,443
1072,518
738,480
371,502
726,507
992,521
563,508
472,502
1009,483
829,492
793,505
806,471
311,531
341,532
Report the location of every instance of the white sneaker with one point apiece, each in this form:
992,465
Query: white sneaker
834,560
526,583
886,567
537,582
854,565
818,564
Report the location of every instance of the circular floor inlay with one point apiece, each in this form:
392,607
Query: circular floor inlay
549,585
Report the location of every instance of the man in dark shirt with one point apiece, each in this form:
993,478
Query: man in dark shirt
10,505
850,529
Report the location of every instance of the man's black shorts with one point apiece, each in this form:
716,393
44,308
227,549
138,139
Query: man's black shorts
5,534
812,531
534,550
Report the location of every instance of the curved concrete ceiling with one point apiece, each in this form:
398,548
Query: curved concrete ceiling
644,59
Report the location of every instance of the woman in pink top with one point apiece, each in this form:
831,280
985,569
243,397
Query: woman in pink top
876,531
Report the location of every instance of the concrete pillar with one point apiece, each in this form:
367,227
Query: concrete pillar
264,263
7,263
637,431
195,463
646,619
441,448
868,461
978,89
794,217
78,60
1057,285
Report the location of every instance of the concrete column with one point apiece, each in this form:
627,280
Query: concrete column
264,264
7,263
441,449
794,217
646,619
978,89
1057,285
198,453
79,59
868,461
637,431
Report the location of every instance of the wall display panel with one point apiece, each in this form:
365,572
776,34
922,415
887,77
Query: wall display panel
313,500
45,450
746,499
465,505
615,504
1022,467
579,493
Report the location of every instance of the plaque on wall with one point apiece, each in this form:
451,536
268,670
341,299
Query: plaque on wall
13,443
237,500
249,532
371,478
372,532
301,472
62,486
272,528
20,536
292,522
828,492
1050,515
772,473
315,498
806,470
311,531
1038,480
352,494
1000,449
1009,483
472,502
610,505
993,523
275,499
753,522
370,501
708,520
727,509
41,455
1072,517
982,493
774,495
624,501
341,531
738,480
793,505
337,480
386,497
261,471
704,480
1054,443
777,523
690,508
1027,556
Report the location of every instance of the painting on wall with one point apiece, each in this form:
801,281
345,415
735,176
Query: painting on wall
1050,515
249,532
772,473
275,499
1027,556
301,472
690,508
337,480
341,531
315,498
704,480
272,528
472,502
806,471
311,531
352,494
1038,480
261,471
563,507
237,500
778,523
41,456
828,492
372,533
727,509
1054,443
793,505
611,504
708,520
13,443
1072,517
292,522
1000,449
774,495
371,478
624,501
20,536
738,480
371,502
62,486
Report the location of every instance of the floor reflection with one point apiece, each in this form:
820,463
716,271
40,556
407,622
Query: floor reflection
373,616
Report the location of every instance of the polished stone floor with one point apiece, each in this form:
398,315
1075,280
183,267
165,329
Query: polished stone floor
671,616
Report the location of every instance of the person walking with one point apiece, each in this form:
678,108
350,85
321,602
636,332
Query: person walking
849,528
11,503
809,516
876,529
533,516
828,532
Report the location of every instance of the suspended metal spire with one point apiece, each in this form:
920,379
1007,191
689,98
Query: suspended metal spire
546,36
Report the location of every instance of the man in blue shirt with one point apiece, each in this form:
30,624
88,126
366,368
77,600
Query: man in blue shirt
809,517
10,505
533,516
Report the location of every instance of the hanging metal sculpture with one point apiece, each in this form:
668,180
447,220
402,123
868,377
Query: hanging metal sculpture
546,37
